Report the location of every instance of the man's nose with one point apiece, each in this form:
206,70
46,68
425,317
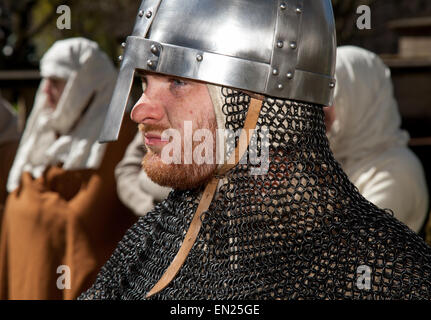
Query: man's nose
48,87
148,110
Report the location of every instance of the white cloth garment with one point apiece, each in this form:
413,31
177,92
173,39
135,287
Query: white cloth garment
367,140
78,117
8,123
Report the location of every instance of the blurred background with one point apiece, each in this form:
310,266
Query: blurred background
400,32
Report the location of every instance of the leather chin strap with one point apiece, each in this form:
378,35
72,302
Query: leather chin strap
208,195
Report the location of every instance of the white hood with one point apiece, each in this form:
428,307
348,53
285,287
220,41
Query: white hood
90,82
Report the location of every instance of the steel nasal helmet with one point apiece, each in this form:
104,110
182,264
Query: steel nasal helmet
279,48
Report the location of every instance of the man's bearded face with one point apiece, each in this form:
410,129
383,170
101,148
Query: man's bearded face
53,89
170,104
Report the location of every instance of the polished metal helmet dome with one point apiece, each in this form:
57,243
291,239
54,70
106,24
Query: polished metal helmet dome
278,48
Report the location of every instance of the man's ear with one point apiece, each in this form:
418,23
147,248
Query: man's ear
329,117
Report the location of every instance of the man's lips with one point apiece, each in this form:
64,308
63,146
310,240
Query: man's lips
153,139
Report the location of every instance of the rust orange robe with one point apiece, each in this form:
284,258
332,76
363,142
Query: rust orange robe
65,218
7,154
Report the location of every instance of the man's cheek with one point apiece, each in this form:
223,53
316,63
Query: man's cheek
172,151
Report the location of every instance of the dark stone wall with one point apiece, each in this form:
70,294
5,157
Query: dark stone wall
380,38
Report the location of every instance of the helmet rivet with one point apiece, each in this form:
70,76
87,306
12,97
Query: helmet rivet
298,10
289,75
123,45
141,13
280,44
120,58
332,85
280,86
149,14
199,57
283,6
154,49
150,63
293,45
275,72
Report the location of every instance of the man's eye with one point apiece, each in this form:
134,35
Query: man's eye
178,82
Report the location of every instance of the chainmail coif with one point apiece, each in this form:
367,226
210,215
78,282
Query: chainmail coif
299,232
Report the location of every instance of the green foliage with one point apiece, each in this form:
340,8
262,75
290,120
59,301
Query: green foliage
29,27
106,22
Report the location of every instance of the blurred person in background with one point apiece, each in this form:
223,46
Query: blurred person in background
135,189
63,218
364,132
9,140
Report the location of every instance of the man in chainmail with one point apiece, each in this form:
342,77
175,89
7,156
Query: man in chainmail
297,229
